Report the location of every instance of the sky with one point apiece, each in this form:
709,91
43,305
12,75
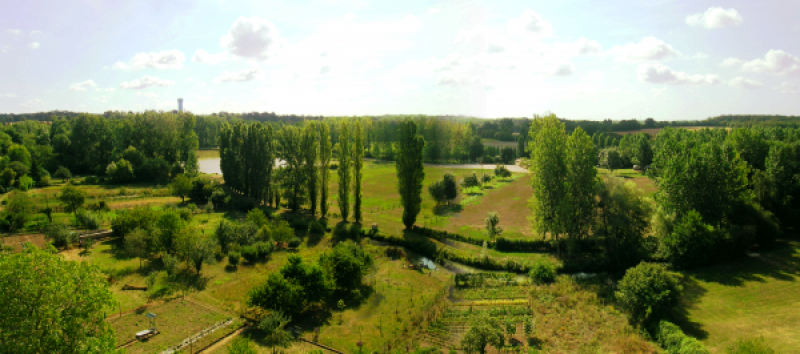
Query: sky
665,59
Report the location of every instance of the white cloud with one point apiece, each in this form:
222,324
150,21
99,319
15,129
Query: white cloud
434,10
244,75
495,48
251,38
715,17
83,85
594,75
658,91
109,89
649,48
744,83
657,73
561,69
145,82
582,46
33,103
9,95
530,23
168,59
731,62
5,49
201,56
788,88
13,31
35,32
454,80
150,95
775,62
34,45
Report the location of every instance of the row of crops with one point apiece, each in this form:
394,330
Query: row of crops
507,292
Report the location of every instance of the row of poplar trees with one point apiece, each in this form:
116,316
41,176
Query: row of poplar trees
293,162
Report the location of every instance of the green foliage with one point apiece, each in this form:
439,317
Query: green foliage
310,152
470,181
483,331
294,242
273,326
437,192
611,159
120,171
277,293
242,345
325,152
316,227
312,280
674,341
410,171
345,158
18,210
72,198
579,205
69,298
170,263
358,170
547,148
250,253
195,248
750,346
233,258
500,171
622,219
181,186
87,220
347,264
7,177
648,292
139,243
59,234
691,241
257,217
542,272
264,249
136,218
491,224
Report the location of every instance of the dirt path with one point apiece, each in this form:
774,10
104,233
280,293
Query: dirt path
222,343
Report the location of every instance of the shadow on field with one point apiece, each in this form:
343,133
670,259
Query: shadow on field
746,269
447,209
692,293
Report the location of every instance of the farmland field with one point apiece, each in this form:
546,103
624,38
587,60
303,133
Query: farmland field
746,298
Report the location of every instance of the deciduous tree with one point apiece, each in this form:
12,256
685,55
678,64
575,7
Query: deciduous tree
345,151
358,169
410,171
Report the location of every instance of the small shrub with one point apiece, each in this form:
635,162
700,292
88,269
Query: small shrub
185,214
315,227
59,234
264,248
98,206
86,220
250,253
648,291
91,180
44,181
233,258
543,272
170,263
294,242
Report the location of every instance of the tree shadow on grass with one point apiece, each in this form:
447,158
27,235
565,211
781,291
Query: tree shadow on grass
190,279
313,239
738,271
116,248
693,292
447,209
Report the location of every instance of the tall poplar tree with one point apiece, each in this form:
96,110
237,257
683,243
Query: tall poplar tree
325,167
358,167
579,203
294,176
344,170
546,146
310,151
410,172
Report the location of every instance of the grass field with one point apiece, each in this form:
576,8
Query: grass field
176,320
654,131
746,298
498,143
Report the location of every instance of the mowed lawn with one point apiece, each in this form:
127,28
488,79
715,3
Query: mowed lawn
746,298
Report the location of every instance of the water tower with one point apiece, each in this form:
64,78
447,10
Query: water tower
180,105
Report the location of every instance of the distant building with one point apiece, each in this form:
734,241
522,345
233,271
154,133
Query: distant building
180,105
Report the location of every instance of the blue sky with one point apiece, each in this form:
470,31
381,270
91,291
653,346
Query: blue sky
669,60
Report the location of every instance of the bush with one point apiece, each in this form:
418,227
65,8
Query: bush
648,291
750,346
185,214
316,227
674,341
294,242
233,258
170,263
250,253
86,220
264,249
59,234
98,206
542,272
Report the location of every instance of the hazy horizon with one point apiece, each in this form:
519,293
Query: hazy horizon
669,60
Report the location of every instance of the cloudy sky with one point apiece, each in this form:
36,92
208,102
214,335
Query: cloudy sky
669,60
